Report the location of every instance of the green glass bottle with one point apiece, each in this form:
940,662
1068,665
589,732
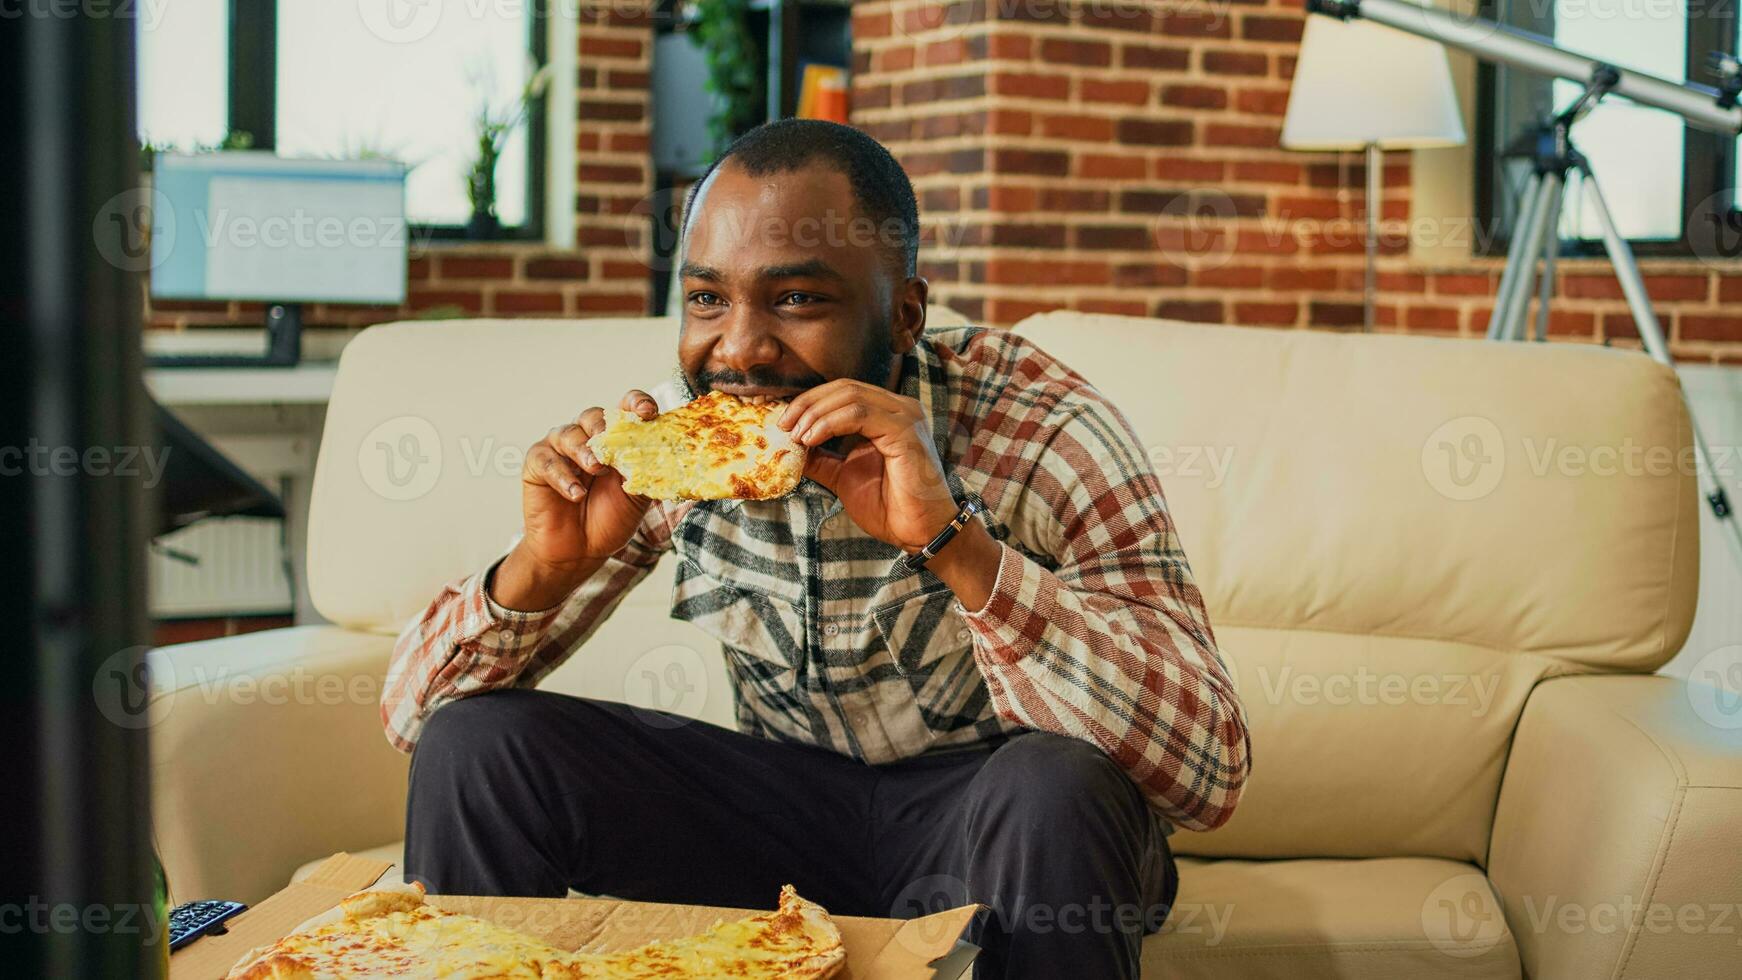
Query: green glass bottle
160,898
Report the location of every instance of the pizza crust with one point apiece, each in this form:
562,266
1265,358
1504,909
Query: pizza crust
716,447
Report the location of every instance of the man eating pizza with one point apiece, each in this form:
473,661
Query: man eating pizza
969,657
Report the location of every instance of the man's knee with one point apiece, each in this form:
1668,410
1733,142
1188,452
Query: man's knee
1049,784
474,731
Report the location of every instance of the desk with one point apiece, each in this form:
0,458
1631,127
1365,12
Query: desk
269,421
305,384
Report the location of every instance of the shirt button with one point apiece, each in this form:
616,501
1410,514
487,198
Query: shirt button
963,634
831,629
506,635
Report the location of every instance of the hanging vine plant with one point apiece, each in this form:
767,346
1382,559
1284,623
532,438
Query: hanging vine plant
734,67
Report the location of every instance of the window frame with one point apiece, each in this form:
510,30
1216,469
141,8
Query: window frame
253,108
1708,158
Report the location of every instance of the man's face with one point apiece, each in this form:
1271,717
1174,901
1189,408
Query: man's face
786,285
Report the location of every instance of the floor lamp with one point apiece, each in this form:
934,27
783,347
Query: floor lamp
1361,86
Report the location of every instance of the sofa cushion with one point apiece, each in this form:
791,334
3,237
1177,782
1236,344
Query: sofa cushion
1380,918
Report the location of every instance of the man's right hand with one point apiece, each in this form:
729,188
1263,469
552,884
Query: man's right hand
574,510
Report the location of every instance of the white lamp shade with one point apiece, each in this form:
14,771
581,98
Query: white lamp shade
1358,83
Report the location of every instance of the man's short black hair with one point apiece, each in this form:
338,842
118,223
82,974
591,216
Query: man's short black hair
881,189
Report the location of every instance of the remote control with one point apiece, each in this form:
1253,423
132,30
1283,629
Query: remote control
192,920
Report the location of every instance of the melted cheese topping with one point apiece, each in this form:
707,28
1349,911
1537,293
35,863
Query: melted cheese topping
716,447
796,941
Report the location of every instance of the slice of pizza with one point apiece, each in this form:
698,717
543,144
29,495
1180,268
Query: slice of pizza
379,934
797,940
716,447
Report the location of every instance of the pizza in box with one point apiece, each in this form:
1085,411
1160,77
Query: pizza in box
395,933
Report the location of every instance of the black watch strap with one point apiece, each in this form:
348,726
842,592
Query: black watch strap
966,508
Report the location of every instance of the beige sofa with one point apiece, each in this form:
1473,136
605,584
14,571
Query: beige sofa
1444,626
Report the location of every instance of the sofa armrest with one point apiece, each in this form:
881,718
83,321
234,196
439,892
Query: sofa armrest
1615,847
266,751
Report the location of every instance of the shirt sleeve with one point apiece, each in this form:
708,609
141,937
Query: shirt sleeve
464,643
1113,645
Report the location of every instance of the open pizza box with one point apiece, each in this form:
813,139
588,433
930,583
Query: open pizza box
927,948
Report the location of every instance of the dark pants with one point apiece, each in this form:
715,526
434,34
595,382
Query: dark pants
530,793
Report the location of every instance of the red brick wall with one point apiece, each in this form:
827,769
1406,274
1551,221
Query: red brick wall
606,273
1124,157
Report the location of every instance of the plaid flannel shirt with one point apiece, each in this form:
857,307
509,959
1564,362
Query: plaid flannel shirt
1095,628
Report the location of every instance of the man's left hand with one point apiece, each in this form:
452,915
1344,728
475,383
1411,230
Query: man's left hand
892,483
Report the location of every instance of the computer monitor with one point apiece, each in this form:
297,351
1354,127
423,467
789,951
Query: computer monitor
253,226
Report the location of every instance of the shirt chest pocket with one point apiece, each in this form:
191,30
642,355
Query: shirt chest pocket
751,624
922,629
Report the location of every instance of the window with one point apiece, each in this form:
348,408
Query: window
1654,169
350,78
184,74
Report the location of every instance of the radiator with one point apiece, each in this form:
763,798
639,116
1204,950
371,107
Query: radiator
240,570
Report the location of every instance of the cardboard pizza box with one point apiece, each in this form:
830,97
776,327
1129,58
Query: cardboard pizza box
927,948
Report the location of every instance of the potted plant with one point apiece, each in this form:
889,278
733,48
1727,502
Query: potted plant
495,123
722,29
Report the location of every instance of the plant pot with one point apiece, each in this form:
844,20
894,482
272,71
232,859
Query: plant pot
483,225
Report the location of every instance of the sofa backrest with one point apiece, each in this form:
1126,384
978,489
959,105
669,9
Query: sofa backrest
1396,537
417,479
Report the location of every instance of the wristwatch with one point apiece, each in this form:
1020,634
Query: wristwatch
966,508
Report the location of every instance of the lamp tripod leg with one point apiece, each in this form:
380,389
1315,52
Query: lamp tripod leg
1516,261
1517,302
1551,246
